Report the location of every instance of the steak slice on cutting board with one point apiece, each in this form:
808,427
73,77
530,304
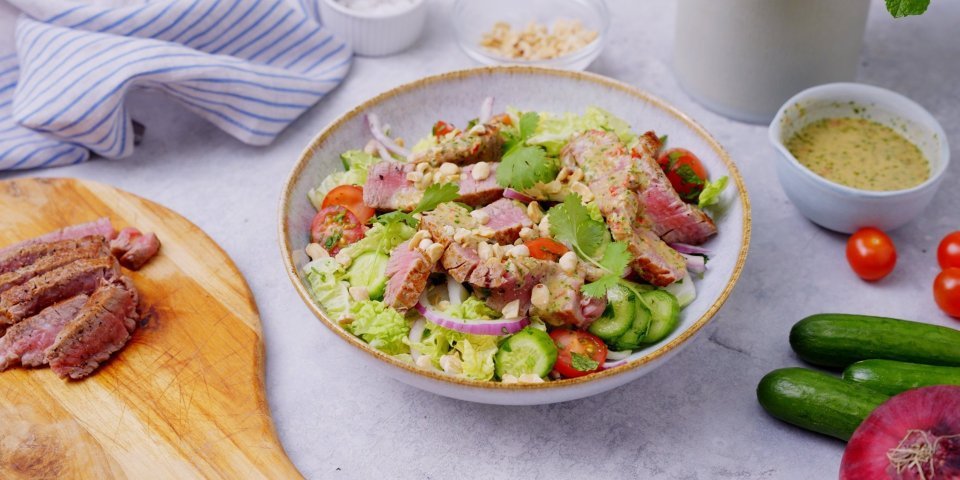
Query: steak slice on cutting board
26,342
80,277
86,248
101,227
16,258
102,327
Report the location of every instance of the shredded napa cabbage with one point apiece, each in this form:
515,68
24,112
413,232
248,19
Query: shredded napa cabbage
380,326
711,192
476,351
326,286
553,131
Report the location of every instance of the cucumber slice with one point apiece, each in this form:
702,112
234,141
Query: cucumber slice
369,270
527,351
665,311
617,317
639,327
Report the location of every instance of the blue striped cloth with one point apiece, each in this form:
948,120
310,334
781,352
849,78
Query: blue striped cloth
248,66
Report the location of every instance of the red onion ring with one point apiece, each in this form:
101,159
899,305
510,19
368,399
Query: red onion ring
373,123
515,195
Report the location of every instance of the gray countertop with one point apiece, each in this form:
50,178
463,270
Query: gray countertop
694,418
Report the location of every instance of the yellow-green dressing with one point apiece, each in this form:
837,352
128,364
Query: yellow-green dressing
859,153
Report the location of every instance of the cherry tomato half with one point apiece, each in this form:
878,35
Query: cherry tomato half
685,172
351,197
871,254
948,253
580,353
546,249
335,227
946,291
441,128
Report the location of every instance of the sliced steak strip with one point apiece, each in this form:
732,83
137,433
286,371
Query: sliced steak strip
564,307
26,342
407,274
23,256
80,277
479,192
507,217
101,227
508,272
133,248
664,211
387,187
480,144
443,221
614,179
96,247
459,261
102,327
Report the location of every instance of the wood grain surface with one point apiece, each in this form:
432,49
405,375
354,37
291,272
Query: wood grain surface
185,399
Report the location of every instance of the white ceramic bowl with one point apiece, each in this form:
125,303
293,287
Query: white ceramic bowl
472,18
375,34
839,207
411,109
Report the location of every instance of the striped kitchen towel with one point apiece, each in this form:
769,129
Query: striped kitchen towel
248,66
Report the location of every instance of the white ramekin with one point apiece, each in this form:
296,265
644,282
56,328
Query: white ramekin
845,209
375,34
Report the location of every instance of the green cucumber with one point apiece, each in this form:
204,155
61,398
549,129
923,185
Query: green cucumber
892,377
665,311
817,401
633,337
837,340
369,270
617,317
528,351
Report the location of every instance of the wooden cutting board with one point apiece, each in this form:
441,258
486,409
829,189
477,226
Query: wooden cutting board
185,398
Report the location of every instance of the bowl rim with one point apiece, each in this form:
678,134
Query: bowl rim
589,50
334,4
833,90
287,252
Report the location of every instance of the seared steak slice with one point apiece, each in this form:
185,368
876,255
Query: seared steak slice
133,248
26,342
479,192
508,272
664,211
407,274
564,307
614,178
507,217
101,227
89,247
480,144
19,257
102,327
387,187
459,261
80,277
443,221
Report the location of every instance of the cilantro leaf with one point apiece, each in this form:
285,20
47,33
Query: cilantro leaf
434,195
902,8
583,363
522,167
570,222
616,259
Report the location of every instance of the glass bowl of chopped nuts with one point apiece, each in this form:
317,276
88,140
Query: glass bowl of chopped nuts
567,34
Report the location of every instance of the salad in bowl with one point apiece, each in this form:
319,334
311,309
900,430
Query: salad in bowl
520,247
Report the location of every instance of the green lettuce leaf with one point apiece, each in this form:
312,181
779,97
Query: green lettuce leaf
381,326
902,8
554,131
711,192
325,284
476,351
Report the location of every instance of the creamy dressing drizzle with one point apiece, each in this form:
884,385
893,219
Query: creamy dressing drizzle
859,153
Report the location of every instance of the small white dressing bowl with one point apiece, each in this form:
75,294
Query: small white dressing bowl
375,34
846,209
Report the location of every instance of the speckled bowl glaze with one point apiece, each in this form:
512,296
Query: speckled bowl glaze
413,108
